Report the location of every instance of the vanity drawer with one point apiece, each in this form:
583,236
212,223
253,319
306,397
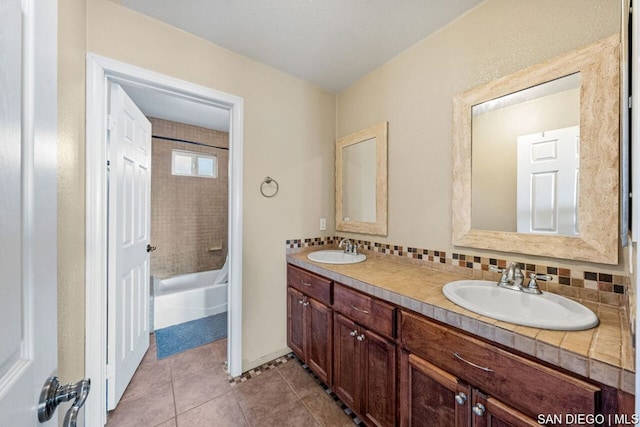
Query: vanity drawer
317,287
522,383
368,311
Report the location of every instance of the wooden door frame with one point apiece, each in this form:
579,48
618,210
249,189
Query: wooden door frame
100,72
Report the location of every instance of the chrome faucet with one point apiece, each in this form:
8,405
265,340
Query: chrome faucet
349,247
513,278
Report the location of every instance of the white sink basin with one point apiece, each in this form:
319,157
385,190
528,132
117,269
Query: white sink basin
335,257
546,311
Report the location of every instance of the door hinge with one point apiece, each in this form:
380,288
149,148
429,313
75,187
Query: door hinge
111,123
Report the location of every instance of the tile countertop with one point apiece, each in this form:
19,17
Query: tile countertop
604,353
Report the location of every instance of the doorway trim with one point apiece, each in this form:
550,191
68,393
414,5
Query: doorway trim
100,72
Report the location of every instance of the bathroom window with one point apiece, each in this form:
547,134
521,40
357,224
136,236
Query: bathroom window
189,163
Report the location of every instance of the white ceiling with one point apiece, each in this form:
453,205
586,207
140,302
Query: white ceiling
169,107
331,43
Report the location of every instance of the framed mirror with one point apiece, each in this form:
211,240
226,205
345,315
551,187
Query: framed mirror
361,181
536,159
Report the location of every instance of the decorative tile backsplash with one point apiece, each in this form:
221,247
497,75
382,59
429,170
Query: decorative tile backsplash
589,285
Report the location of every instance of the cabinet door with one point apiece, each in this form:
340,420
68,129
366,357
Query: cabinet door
318,348
430,396
295,321
346,363
490,412
379,379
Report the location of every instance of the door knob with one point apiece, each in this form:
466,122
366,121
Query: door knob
151,248
54,394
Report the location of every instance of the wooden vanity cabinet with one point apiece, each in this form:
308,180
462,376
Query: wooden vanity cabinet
365,362
511,389
429,393
310,320
359,345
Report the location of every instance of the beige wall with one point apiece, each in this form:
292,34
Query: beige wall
289,131
189,215
414,93
71,216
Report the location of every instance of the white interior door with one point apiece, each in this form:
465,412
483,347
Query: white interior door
28,252
129,148
548,177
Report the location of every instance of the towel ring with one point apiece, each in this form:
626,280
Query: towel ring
268,180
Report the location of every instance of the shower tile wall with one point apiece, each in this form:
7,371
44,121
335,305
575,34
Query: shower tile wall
189,215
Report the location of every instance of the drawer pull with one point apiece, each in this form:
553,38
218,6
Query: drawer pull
305,283
457,356
360,337
353,333
461,398
359,309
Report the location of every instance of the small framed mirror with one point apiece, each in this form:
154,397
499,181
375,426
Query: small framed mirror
536,159
361,181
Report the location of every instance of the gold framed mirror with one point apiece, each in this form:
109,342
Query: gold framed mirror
361,181
508,206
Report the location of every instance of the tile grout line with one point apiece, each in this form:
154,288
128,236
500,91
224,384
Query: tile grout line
297,395
356,420
274,364
242,411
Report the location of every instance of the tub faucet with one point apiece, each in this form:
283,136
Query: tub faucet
349,247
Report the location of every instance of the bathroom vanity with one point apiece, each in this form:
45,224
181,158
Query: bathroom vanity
397,352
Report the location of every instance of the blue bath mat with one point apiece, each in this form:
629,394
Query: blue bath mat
185,336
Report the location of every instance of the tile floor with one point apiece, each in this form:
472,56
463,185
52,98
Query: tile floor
191,389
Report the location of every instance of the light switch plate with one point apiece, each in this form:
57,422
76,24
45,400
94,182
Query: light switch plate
323,224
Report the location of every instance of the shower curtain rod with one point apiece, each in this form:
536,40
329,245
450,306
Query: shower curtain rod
188,142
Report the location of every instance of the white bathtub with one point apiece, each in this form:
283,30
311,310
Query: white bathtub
188,297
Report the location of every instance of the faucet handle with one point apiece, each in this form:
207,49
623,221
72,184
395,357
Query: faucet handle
533,284
354,248
502,271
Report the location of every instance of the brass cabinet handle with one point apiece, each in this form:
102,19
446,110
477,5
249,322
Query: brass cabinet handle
359,309
484,368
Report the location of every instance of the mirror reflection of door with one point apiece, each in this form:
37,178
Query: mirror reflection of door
497,125
547,182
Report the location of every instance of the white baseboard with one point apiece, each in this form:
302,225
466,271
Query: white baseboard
247,365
